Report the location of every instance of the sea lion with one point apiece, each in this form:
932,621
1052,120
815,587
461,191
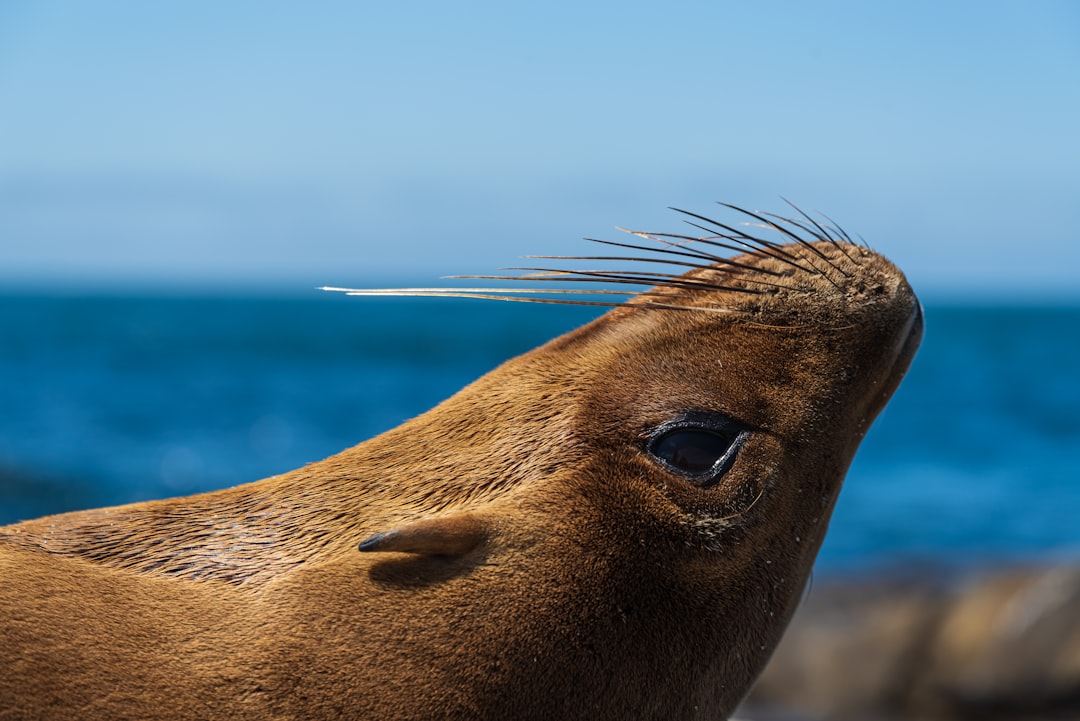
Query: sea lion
615,525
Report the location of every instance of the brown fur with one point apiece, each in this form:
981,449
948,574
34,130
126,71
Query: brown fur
536,562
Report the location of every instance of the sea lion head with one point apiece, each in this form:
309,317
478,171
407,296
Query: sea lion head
674,463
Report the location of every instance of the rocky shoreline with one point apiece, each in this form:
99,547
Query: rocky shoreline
1001,644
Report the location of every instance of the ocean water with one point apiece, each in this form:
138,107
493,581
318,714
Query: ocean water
108,400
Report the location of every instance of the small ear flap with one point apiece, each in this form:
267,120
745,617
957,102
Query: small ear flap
453,535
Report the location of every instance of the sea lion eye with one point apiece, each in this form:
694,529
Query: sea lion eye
702,450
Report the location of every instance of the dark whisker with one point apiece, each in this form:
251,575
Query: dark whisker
665,261
755,248
803,228
822,233
744,279
618,277
777,247
549,301
736,237
774,221
769,224
587,276
661,238
683,264
658,277
825,231
658,274
762,247
710,240
648,302
836,226
558,276
760,244
700,255
825,234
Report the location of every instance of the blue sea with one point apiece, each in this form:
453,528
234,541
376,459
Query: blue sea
108,400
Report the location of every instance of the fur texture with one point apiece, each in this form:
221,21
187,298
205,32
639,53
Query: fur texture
523,555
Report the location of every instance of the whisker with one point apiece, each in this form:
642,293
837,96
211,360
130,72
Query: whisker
569,276
756,243
802,227
825,234
809,261
662,238
710,240
762,247
551,274
665,261
617,277
836,226
494,296
686,252
647,302
655,277
769,225
736,237
457,291
820,232
696,263
679,263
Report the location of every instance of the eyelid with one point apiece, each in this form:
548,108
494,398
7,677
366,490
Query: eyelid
694,419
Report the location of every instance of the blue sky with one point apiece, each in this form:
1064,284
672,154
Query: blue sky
288,145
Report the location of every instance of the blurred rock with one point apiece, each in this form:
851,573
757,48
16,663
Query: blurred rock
1003,645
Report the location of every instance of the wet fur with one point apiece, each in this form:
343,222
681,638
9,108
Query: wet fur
522,557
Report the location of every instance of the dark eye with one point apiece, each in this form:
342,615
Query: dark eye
700,450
